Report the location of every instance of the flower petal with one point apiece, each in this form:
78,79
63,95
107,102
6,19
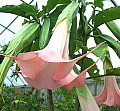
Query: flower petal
87,104
61,71
80,80
44,78
110,95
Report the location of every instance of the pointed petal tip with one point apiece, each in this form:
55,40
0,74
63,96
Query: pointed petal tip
13,57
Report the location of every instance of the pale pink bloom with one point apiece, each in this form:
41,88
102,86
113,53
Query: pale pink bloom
50,68
110,95
88,103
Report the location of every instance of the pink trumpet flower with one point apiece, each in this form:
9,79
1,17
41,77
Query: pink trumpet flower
50,68
110,95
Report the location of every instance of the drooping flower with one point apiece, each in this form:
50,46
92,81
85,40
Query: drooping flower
50,68
110,95
88,103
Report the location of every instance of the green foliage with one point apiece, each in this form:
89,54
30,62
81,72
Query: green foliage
107,15
80,33
94,71
1,59
100,50
109,108
54,15
14,10
81,46
82,91
35,46
23,38
83,2
114,28
67,102
52,3
113,71
73,35
30,100
97,40
22,101
24,10
98,3
112,43
29,9
4,67
44,33
69,12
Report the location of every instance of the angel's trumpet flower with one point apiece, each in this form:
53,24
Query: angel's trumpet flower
88,103
110,95
50,68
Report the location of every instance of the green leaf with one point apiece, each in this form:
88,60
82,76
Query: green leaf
18,101
114,28
24,10
73,35
80,45
35,46
23,38
54,15
4,67
113,71
107,64
69,12
13,9
94,71
98,3
64,2
30,14
107,15
112,43
80,33
68,95
82,91
85,101
30,9
100,50
25,22
97,40
82,1
52,3
40,13
75,68
44,33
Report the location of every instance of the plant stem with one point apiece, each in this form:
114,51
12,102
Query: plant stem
50,100
102,76
77,105
83,24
